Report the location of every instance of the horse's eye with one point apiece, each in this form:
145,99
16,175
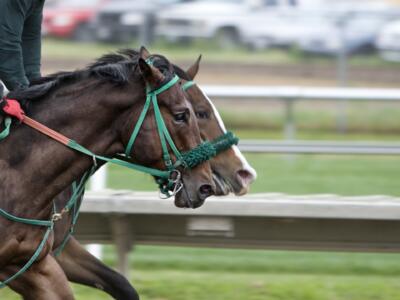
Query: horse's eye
180,117
202,115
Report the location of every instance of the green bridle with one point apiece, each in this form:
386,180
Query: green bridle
171,183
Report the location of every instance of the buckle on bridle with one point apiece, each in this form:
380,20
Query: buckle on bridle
94,160
173,181
56,217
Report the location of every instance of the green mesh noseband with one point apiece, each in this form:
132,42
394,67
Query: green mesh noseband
225,141
207,150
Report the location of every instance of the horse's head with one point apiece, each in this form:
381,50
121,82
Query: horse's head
231,171
155,145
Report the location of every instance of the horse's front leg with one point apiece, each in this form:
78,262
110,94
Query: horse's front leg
83,268
44,280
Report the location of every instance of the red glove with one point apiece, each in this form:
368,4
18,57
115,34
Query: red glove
13,108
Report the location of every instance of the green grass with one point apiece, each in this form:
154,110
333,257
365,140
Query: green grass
172,285
315,117
174,273
301,174
260,261
239,286
251,274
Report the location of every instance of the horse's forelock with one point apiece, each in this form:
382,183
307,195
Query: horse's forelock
162,63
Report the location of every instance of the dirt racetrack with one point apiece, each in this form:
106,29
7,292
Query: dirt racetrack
269,74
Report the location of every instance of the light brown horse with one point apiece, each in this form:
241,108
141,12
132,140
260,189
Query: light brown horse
232,173
98,107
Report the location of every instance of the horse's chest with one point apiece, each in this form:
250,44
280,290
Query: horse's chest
19,244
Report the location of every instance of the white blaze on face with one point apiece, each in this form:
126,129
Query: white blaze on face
245,165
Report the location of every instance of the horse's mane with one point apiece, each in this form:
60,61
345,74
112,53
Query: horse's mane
115,68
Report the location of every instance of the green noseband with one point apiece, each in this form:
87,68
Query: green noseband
207,150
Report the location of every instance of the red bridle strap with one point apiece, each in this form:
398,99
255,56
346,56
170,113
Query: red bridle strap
13,109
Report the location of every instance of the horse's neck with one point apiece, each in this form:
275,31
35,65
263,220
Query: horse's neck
34,168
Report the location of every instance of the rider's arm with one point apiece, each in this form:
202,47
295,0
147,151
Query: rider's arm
12,18
31,41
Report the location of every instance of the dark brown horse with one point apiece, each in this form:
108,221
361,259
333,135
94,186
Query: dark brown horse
98,107
232,173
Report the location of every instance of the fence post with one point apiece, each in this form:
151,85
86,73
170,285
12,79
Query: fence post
290,126
342,74
146,33
98,182
123,241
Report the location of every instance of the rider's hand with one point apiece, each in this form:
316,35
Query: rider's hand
13,108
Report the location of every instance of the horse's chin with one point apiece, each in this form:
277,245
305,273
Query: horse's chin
182,200
236,185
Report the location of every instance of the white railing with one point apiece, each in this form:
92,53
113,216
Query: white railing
320,147
263,221
301,93
291,94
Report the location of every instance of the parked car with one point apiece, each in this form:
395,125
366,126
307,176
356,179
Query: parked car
357,31
225,21
388,41
71,18
282,28
122,20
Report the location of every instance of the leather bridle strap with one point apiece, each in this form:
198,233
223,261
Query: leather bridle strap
46,130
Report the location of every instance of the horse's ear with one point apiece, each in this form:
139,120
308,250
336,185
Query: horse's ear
194,69
144,53
150,74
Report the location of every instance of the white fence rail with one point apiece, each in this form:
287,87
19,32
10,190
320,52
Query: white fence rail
291,94
264,221
301,93
319,147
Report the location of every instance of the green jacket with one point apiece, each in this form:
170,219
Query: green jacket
20,41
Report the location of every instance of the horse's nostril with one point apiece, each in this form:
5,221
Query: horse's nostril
245,177
206,190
